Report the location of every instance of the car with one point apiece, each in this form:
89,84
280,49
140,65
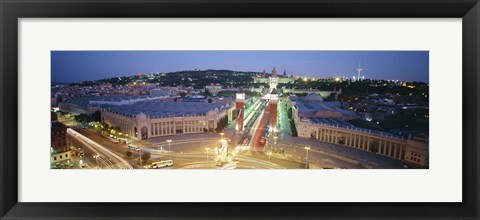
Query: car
161,164
115,141
133,147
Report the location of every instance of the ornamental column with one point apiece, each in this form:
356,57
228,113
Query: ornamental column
240,106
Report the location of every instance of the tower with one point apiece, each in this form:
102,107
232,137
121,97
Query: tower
274,72
272,106
273,80
359,70
240,110
284,72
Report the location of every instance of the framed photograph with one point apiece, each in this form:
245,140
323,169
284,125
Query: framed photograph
226,109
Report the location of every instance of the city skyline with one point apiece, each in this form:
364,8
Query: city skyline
75,66
240,110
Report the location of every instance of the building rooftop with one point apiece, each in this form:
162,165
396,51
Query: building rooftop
335,122
314,107
84,101
312,97
168,109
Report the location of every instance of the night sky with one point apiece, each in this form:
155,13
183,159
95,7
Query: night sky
74,66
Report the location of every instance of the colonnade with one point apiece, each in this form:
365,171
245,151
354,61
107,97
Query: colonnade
379,143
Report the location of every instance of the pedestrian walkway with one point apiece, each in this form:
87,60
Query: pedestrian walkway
364,157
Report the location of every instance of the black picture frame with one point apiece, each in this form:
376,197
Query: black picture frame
11,11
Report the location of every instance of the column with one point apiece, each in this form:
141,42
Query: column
160,128
400,154
336,137
174,127
356,143
325,134
346,139
395,150
385,147
368,143
183,125
352,142
330,136
379,147
390,149
362,142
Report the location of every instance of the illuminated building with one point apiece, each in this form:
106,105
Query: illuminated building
149,119
274,80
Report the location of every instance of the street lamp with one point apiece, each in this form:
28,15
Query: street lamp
306,156
208,150
275,142
96,158
223,141
170,152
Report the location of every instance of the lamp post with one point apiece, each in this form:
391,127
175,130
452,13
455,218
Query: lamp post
275,143
140,156
306,156
170,152
96,158
207,150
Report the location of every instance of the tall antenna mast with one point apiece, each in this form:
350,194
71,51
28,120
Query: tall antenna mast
359,70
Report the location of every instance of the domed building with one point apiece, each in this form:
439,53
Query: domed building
312,97
313,107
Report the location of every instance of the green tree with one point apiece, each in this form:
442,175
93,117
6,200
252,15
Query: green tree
221,124
128,153
96,116
207,93
146,157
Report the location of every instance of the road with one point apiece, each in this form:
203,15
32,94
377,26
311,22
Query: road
106,159
259,128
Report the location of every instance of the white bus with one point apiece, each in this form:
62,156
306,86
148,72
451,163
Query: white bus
162,164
